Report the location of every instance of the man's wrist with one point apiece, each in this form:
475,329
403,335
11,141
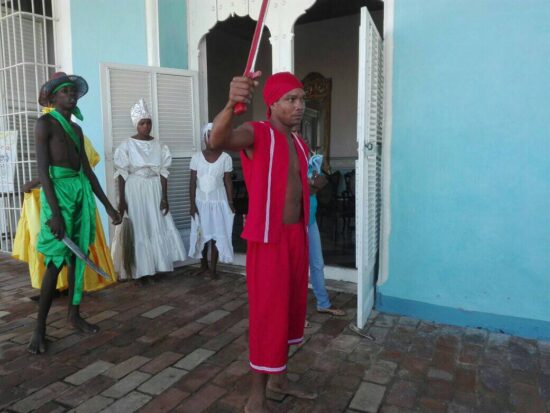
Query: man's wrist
229,105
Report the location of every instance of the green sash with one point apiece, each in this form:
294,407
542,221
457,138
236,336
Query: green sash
68,128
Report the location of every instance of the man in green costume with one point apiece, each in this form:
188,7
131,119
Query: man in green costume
67,198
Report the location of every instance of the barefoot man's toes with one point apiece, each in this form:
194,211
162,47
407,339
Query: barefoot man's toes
37,344
81,325
291,389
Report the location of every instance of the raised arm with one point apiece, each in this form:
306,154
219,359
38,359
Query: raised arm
223,136
42,134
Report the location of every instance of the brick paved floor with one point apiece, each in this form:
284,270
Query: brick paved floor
181,345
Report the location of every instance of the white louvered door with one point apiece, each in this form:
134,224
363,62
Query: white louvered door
368,182
172,96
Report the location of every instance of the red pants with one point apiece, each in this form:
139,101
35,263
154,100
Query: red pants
276,278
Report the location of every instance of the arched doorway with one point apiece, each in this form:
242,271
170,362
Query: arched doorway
227,45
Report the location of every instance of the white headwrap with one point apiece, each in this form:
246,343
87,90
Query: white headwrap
139,112
204,134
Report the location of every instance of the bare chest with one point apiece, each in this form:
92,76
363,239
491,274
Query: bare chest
62,149
293,161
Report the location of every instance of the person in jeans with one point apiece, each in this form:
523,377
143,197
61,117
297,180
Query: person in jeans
316,264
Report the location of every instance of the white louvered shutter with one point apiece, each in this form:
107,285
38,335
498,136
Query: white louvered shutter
126,87
173,100
176,113
177,99
369,163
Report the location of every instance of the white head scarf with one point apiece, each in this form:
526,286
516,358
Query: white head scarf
139,112
204,134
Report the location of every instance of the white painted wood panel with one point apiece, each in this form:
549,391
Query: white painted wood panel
368,182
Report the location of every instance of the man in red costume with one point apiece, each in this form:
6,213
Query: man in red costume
274,161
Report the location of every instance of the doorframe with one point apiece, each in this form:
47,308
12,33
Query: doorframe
385,219
63,45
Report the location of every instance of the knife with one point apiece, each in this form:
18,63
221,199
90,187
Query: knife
78,252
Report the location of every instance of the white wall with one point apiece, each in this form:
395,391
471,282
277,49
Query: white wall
330,47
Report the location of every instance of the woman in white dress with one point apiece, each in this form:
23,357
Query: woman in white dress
211,193
141,168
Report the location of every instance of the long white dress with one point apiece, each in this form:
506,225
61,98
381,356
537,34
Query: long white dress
158,243
215,220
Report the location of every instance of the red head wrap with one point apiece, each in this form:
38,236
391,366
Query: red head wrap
277,85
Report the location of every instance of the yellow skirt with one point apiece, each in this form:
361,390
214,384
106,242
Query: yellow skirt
24,249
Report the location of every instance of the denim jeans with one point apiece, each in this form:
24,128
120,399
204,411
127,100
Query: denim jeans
316,267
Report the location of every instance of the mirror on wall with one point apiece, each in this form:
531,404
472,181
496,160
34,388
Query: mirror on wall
316,120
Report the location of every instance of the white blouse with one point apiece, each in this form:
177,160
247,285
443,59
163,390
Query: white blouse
210,185
143,158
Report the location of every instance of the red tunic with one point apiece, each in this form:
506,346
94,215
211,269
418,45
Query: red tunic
265,176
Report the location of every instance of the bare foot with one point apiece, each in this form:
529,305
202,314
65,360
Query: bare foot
37,344
143,281
140,282
256,407
281,384
82,325
201,271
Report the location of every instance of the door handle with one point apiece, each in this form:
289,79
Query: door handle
371,147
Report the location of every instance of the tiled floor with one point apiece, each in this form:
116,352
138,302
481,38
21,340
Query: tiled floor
181,345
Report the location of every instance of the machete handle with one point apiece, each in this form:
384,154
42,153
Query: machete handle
240,107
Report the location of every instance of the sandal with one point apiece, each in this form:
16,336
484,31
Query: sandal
332,310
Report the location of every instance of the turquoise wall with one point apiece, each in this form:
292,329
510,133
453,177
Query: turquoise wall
470,178
104,31
173,33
